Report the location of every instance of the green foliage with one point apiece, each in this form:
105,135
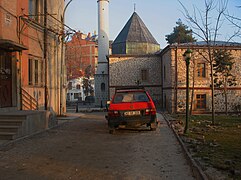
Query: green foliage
222,69
180,34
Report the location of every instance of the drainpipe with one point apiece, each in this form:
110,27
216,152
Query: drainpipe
19,69
45,55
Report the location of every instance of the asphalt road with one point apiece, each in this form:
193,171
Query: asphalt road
83,149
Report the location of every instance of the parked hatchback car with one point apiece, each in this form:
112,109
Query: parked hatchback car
132,107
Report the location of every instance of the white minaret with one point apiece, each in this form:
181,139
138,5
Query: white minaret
101,76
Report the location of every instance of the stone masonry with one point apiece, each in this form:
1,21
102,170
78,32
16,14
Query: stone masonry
127,71
174,80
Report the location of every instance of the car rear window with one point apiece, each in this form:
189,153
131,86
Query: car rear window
130,97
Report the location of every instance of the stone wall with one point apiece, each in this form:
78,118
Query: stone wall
167,78
174,86
101,90
126,71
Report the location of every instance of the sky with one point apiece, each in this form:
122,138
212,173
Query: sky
160,16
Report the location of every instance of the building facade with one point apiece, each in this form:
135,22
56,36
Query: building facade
174,79
31,67
134,60
81,52
136,70
75,90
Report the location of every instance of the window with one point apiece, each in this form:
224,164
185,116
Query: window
68,96
201,70
41,75
35,72
102,87
32,8
70,85
144,75
131,97
36,9
77,86
77,95
201,101
30,72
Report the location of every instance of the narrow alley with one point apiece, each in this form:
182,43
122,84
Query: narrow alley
82,148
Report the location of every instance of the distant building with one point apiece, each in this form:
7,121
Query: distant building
81,52
75,90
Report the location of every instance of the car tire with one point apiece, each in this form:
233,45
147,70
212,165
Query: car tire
153,125
153,129
111,131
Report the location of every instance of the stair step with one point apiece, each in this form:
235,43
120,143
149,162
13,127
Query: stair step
12,115
11,122
7,135
8,128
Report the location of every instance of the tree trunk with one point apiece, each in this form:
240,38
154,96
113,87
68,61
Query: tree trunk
193,83
212,86
225,96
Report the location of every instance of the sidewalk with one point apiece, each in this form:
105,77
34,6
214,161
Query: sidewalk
69,116
61,119
196,170
86,108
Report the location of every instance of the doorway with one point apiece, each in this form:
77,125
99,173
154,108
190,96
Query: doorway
5,79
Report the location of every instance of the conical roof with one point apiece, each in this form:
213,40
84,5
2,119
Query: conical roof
134,31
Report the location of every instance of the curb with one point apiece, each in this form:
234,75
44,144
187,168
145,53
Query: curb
88,110
196,170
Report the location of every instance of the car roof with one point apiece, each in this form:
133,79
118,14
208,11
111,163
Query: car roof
130,89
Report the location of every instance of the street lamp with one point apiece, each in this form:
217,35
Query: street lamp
187,58
62,59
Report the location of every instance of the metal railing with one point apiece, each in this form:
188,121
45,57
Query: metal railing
28,101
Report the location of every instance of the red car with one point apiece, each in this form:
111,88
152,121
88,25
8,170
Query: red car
131,107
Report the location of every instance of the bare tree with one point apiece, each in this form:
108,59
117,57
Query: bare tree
236,22
193,84
206,26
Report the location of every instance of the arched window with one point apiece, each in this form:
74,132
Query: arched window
102,86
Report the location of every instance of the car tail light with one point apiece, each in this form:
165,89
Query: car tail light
113,113
150,111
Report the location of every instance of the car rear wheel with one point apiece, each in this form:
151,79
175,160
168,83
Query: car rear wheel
153,125
112,131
